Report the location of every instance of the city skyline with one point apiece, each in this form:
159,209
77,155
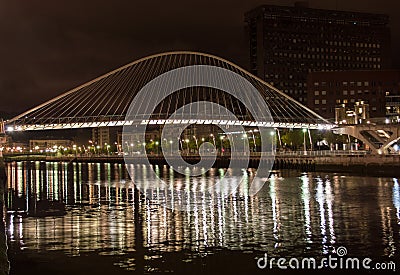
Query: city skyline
53,48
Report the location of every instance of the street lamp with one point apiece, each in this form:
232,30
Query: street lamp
211,135
272,133
187,146
144,147
222,146
166,145
157,147
254,141
244,137
304,141
90,146
197,144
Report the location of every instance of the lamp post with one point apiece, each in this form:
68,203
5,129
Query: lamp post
90,145
166,146
211,135
187,146
144,147
272,133
170,144
202,141
157,147
244,137
254,141
304,141
197,144
221,138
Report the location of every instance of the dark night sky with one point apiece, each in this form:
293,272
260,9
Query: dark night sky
48,47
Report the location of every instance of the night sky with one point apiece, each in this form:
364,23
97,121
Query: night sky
48,47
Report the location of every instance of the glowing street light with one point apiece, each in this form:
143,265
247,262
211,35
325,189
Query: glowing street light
304,141
187,145
202,141
254,141
244,137
211,135
272,133
222,146
197,145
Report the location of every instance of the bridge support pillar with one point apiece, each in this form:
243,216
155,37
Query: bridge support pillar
379,138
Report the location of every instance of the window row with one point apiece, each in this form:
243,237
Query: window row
317,101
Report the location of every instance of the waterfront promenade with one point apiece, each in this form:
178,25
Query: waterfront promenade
359,162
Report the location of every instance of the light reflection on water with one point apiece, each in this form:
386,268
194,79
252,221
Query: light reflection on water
293,215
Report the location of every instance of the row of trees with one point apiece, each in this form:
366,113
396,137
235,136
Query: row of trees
289,139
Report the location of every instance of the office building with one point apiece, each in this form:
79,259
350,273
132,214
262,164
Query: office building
287,43
379,89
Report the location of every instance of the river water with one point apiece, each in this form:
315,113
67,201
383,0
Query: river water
110,228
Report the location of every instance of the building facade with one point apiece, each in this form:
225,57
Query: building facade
287,43
48,144
101,136
380,90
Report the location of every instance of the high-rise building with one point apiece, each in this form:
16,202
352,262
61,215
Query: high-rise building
286,43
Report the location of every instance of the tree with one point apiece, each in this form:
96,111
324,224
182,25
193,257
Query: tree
292,138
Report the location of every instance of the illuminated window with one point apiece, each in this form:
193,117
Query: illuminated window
316,92
323,101
323,92
344,92
316,102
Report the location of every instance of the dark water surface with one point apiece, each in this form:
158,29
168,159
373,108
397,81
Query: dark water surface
109,228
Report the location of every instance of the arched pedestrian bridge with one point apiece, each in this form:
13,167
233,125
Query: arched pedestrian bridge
104,101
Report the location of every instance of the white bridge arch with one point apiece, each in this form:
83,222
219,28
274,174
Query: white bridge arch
105,100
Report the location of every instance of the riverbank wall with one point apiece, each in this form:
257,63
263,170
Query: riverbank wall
369,165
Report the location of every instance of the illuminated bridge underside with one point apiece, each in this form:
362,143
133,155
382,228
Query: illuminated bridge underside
162,122
105,100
